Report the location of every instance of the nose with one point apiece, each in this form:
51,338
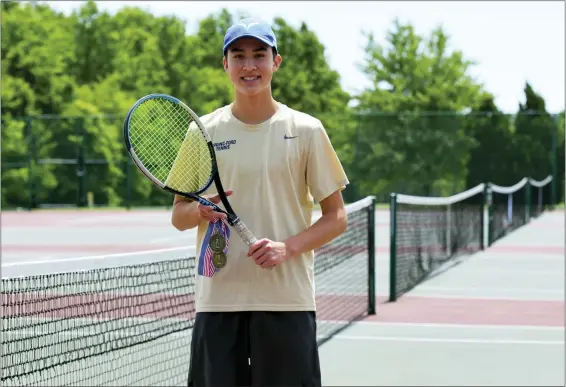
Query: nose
249,64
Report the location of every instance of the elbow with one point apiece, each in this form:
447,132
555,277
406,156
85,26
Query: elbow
177,221
342,223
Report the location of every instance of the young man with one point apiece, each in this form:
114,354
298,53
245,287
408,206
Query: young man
257,327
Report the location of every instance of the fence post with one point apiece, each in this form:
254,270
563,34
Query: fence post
80,130
128,183
32,160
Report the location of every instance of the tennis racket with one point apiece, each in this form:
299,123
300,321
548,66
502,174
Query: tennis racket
172,148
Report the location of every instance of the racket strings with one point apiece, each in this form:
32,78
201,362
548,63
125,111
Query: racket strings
170,145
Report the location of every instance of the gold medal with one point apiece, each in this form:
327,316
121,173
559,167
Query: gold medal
219,260
217,243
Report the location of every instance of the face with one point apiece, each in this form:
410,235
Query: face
250,65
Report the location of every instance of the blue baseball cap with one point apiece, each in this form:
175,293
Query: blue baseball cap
250,28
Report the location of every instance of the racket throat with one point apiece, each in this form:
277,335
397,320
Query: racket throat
232,219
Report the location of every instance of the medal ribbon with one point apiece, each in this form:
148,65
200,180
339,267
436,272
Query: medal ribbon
205,265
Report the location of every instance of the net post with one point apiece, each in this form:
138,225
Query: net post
371,256
448,230
489,199
393,248
554,157
528,201
483,213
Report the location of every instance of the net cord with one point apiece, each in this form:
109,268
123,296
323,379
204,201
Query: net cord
440,201
508,190
542,183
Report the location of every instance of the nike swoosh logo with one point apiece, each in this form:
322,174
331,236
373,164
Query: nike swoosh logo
289,137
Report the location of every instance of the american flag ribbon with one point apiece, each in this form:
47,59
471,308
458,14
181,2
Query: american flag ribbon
205,266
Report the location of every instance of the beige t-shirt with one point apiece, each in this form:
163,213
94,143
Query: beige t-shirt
275,169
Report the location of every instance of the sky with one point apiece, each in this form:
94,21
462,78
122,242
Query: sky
511,42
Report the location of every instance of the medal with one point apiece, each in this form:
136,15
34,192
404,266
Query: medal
219,260
217,243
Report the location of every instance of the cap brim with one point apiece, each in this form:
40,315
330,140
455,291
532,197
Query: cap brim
261,39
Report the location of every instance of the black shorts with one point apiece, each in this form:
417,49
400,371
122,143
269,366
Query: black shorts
254,349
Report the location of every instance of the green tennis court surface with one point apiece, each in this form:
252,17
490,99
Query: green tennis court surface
123,318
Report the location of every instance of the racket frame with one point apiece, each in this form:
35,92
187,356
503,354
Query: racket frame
232,218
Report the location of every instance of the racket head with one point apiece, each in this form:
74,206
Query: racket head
170,145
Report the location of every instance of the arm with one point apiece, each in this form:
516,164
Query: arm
185,214
188,214
330,225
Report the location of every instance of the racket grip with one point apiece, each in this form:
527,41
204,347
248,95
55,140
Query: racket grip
244,232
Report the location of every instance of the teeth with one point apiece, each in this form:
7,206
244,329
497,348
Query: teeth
250,78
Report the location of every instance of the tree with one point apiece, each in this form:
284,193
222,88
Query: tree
534,131
415,147
492,159
37,49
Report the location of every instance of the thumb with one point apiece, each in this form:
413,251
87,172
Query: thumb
216,198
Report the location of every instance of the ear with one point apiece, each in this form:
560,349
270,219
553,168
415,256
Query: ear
277,62
225,63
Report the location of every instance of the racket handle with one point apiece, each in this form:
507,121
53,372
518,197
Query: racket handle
244,232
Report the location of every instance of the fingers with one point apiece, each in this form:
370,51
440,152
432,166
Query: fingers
261,252
258,248
206,212
216,198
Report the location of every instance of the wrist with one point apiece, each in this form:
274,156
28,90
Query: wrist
291,248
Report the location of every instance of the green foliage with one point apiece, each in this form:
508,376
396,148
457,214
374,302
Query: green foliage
534,131
494,159
68,82
407,149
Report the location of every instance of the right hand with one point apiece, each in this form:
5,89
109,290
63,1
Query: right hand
206,212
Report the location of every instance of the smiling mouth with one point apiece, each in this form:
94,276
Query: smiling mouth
254,78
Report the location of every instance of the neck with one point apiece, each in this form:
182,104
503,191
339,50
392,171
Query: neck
254,110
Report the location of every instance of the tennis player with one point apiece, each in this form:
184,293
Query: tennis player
254,326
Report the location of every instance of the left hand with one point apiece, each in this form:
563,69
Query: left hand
267,253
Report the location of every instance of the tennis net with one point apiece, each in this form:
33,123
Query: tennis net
508,209
540,195
429,234
126,319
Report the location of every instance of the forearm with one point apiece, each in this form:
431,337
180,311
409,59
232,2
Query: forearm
324,230
185,215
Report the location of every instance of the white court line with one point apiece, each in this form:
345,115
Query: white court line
484,289
95,219
165,239
416,293
458,326
97,257
488,270
383,256
452,341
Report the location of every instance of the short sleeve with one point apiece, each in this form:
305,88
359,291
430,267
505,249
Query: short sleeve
324,172
191,168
